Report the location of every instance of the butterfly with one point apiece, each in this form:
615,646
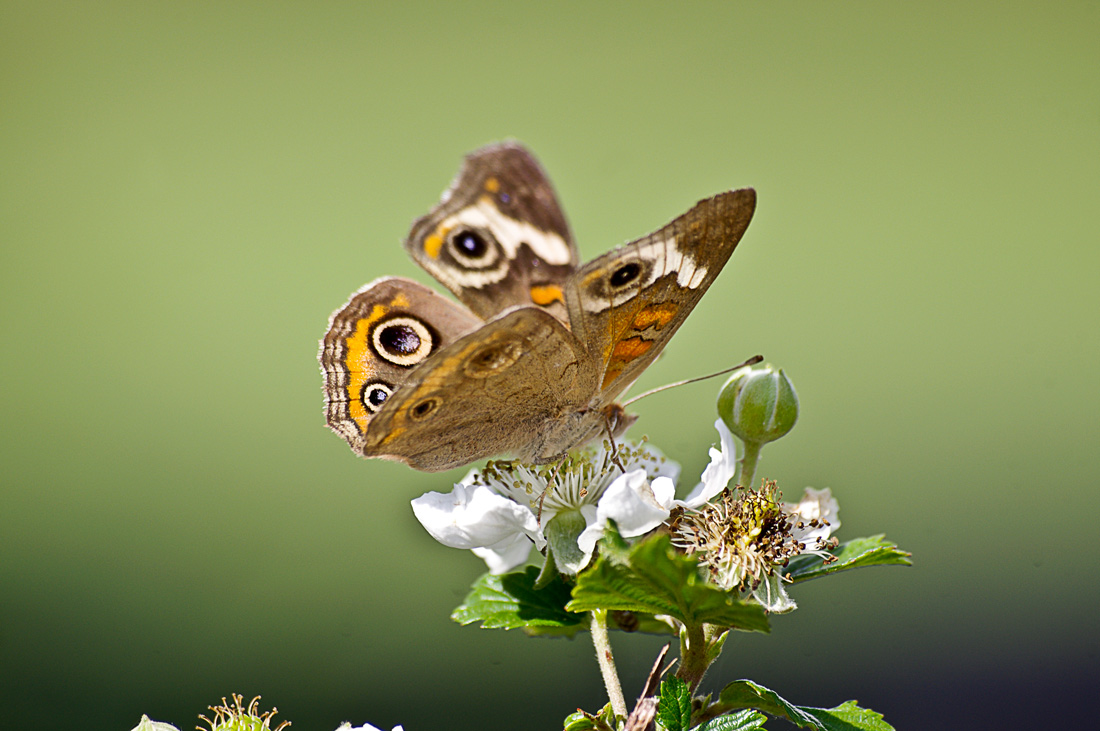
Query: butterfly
530,364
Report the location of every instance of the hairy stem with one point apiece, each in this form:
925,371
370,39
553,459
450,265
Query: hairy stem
693,655
606,660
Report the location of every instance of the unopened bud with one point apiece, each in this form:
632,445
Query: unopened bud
758,405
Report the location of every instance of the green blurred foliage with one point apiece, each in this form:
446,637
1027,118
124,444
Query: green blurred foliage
187,190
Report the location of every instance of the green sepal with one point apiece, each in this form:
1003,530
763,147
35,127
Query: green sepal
653,578
512,601
846,717
674,705
585,721
854,554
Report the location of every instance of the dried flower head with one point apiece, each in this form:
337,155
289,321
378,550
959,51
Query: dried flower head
746,537
238,718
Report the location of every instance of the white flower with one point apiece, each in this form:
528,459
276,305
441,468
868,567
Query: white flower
501,510
148,724
722,468
365,727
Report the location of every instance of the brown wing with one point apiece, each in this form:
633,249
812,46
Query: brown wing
626,304
498,237
375,342
506,388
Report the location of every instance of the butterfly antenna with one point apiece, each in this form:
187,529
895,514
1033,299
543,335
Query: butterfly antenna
751,361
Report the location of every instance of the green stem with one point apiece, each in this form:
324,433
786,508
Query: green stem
693,655
748,463
606,660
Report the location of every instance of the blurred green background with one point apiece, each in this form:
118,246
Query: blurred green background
187,190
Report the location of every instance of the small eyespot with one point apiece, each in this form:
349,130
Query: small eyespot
424,409
403,341
505,198
472,249
493,359
625,274
374,395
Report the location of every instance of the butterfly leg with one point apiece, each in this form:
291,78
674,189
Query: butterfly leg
614,447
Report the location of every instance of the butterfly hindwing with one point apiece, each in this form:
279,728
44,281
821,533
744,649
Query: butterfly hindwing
375,341
500,389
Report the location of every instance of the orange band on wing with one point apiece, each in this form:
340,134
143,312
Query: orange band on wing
659,314
492,185
359,352
546,294
621,355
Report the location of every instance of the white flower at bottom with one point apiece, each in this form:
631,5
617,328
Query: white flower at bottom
365,727
148,724
745,539
501,510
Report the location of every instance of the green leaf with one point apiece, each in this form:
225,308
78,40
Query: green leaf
746,720
653,578
848,716
854,554
511,601
747,694
845,717
674,705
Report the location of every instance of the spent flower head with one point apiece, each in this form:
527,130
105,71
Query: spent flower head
746,537
237,717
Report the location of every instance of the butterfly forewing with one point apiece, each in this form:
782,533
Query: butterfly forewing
627,304
498,237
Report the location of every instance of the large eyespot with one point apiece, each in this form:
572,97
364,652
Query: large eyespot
424,409
374,395
472,249
403,341
624,275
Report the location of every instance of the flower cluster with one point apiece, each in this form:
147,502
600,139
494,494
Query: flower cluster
743,539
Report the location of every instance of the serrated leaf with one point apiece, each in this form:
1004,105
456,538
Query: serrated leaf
653,578
746,720
674,705
747,694
846,717
854,554
511,601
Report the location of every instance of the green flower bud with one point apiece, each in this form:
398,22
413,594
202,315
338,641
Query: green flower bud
758,406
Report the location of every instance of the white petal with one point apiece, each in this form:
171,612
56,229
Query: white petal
664,492
365,727
506,555
722,468
148,724
473,517
819,505
631,503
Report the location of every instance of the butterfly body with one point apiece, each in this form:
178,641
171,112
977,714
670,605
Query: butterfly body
533,360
